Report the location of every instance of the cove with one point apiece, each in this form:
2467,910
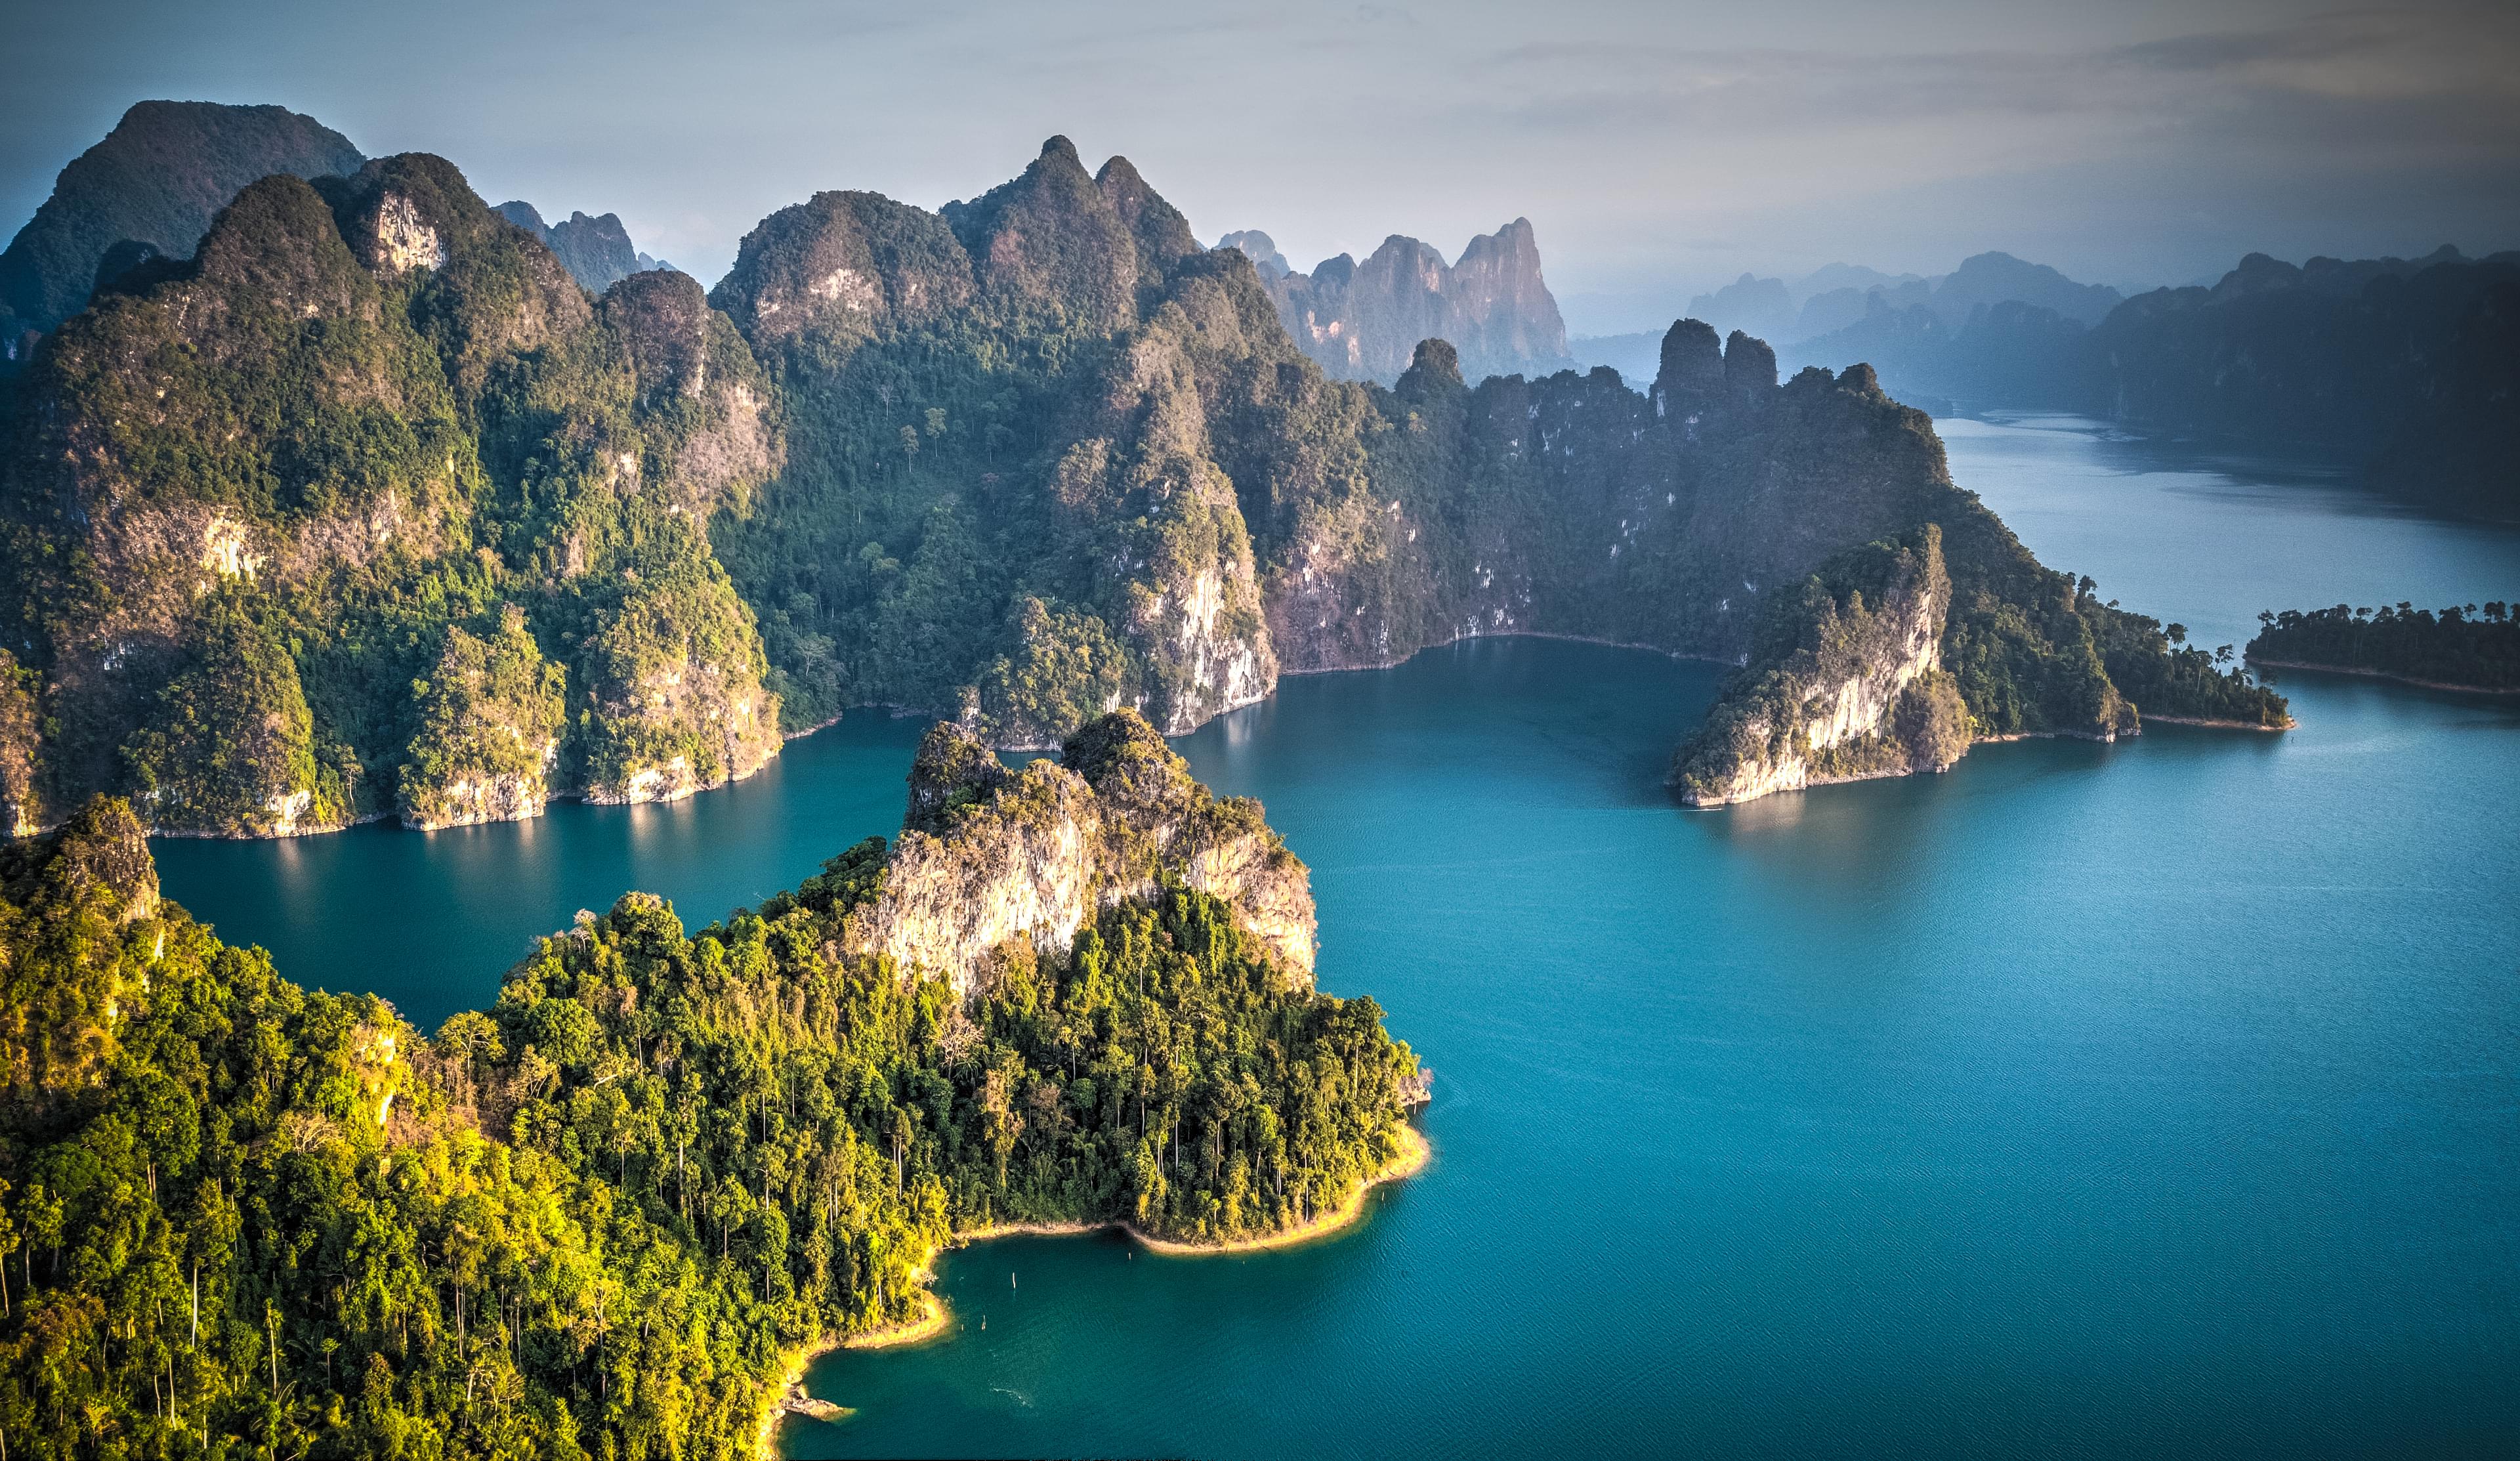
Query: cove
2154,1098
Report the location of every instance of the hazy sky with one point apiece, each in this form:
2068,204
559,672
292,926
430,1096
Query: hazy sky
1657,149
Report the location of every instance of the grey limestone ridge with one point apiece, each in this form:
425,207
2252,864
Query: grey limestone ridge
597,251
987,855
1363,321
1851,685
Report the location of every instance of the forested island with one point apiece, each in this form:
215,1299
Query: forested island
606,1215
370,509
2459,647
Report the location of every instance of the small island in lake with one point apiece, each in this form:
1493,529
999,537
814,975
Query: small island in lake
2458,648
633,1197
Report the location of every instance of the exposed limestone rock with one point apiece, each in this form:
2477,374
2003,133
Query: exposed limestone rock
491,716
989,856
681,725
1857,694
402,239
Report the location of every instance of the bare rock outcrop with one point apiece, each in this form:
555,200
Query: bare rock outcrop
988,856
1858,693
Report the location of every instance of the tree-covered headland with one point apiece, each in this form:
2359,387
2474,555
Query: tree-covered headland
2461,647
241,1216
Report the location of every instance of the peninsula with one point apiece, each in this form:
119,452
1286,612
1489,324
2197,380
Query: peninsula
629,1199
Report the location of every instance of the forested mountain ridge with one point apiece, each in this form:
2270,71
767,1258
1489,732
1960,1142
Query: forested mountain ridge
370,509
155,180
599,1218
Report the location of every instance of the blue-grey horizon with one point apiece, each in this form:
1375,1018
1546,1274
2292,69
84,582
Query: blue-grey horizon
1659,149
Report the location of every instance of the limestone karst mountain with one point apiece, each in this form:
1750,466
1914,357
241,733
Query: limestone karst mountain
370,509
156,179
1363,321
403,503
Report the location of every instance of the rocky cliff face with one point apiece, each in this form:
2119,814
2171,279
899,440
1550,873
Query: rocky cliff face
1023,498
1362,322
1851,686
988,858
156,179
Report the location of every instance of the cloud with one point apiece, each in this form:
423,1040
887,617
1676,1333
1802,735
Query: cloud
1657,147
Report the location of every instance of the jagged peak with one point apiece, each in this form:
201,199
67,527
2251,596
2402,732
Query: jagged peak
1122,754
1434,365
850,259
1052,236
1749,367
1692,362
1161,233
953,772
280,241
410,210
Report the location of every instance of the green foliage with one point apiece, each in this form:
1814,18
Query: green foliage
490,712
2460,646
1068,668
364,460
240,1217
2171,680
229,744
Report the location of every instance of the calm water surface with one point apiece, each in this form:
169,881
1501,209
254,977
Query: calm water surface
2161,1098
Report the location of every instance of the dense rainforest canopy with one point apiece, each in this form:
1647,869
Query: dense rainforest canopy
2461,646
243,1216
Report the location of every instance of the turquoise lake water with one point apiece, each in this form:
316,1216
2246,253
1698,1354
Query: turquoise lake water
2159,1098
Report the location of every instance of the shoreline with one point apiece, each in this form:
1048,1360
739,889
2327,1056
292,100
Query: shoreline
779,1402
2210,723
2384,674
898,712
938,1318
934,1318
1415,1154
1615,644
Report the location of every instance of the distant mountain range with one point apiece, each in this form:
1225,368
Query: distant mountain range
1807,314
2407,371
150,189
595,251
1362,322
